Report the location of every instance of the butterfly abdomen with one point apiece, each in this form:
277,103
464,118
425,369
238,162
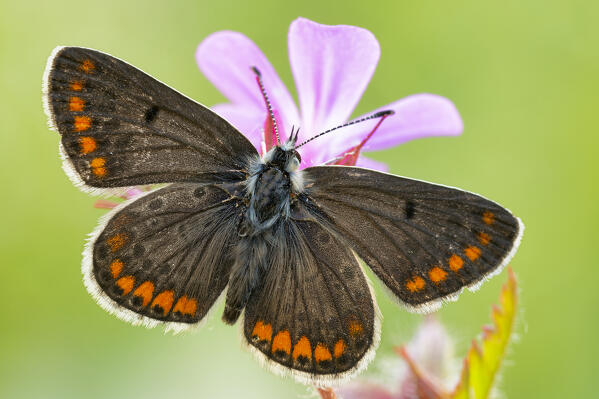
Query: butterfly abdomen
246,275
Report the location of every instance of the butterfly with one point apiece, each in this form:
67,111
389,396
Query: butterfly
279,243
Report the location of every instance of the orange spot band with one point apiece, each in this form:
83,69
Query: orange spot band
87,144
97,165
484,238
164,300
436,274
186,306
282,342
117,241
126,284
302,348
417,283
145,291
87,66
82,123
355,327
116,267
322,353
472,252
262,331
76,85
489,217
76,104
455,263
339,348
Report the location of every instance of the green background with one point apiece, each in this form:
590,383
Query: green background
524,75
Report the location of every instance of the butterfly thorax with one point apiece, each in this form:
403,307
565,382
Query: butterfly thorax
272,182
270,198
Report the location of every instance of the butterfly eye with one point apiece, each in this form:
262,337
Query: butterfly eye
298,156
293,164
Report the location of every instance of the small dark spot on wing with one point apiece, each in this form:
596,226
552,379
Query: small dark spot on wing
410,209
151,114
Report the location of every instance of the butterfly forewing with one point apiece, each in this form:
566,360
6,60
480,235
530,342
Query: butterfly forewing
121,127
313,312
165,256
425,242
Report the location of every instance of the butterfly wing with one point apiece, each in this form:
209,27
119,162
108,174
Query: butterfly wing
165,256
121,127
426,242
313,316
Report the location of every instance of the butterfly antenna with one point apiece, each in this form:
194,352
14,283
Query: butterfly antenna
380,114
294,134
267,101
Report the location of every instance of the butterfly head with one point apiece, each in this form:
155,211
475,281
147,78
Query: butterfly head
284,156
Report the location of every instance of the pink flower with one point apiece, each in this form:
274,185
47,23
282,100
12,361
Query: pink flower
427,370
332,66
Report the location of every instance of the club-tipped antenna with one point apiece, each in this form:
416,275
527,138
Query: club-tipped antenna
267,101
380,114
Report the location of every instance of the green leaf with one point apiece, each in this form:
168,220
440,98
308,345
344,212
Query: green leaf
482,363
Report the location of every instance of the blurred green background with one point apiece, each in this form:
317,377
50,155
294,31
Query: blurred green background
525,77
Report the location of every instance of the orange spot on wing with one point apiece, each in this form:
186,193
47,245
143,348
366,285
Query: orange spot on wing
355,327
117,241
87,144
97,162
76,104
455,262
484,238
282,342
145,291
76,85
164,300
472,252
339,348
489,217
82,123
126,284
322,353
437,274
302,348
97,165
100,172
116,267
417,283
186,306
262,331
87,66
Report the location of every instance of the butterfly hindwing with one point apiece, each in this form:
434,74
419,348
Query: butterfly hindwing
313,313
426,242
165,256
121,127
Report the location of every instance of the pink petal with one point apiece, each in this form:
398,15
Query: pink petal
369,163
247,120
416,116
332,66
431,349
363,390
226,59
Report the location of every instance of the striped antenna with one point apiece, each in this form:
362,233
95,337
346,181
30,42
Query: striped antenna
380,114
267,101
